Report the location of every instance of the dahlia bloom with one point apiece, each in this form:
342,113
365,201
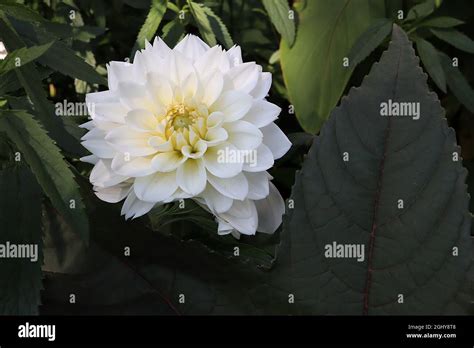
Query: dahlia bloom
189,122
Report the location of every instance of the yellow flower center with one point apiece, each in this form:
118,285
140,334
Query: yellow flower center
180,116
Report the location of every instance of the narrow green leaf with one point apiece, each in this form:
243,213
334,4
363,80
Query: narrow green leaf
457,83
22,56
441,22
203,23
431,62
61,58
455,38
48,165
152,21
19,11
278,11
380,204
369,41
218,27
421,10
9,81
172,32
30,79
20,219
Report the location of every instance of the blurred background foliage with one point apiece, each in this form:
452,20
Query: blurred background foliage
315,49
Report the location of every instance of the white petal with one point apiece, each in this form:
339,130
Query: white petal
156,187
244,135
263,86
191,176
188,87
132,166
136,96
160,88
160,48
196,151
192,47
94,142
262,113
236,187
215,136
133,207
89,125
212,88
245,76
215,119
216,201
242,216
264,160
130,142
258,185
120,71
141,120
214,59
276,140
223,228
233,104
270,211
101,97
110,111
112,194
222,160
168,161
235,55
92,159
177,195
102,175
177,67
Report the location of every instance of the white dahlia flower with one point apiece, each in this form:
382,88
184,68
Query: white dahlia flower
189,122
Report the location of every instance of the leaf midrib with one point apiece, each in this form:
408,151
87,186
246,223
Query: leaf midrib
377,196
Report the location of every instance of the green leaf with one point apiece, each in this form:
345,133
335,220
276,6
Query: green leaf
191,222
48,165
30,79
22,56
20,219
370,40
408,245
172,32
313,68
151,280
19,11
203,23
218,28
441,22
152,22
9,81
421,10
457,83
430,58
61,58
455,38
278,11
